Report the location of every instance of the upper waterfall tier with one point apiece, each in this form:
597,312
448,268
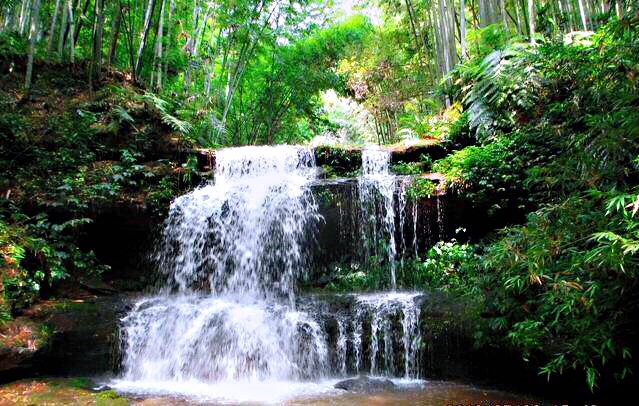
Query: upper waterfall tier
244,233
376,194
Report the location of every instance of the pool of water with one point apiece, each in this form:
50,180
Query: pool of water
406,392
82,391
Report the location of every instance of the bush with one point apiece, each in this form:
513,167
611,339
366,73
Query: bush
36,254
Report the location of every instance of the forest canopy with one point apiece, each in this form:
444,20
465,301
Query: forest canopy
535,104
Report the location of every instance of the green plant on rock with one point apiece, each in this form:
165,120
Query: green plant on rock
421,188
359,277
569,280
37,254
110,398
407,168
448,265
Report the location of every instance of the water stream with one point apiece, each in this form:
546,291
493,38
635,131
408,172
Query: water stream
228,318
376,195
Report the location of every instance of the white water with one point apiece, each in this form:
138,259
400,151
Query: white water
243,233
226,326
376,191
380,309
242,239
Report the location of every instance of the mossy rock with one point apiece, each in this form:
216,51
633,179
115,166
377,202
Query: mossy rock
110,398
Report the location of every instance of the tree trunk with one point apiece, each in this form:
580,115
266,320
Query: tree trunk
159,46
24,16
54,20
451,30
165,62
462,28
63,29
531,20
145,33
33,35
98,23
444,31
189,48
504,15
619,9
115,32
128,32
582,13
81,19
520,29
70,33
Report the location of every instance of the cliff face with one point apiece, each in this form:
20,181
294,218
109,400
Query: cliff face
104,156
63,337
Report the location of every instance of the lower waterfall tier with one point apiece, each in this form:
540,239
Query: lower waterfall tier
230,338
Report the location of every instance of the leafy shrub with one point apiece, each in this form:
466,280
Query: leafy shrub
356,277
447,266
568,283
12,44
421,188
36,254
407,168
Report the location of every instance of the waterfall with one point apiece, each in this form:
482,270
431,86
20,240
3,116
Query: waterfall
382,310
244,233
376,192
232,252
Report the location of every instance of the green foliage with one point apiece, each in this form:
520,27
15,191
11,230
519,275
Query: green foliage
36,254
110,398
448,266
486,40
163,109
339,161
80,383
355,277
569,280
556,127
421,188
407,168
489,175
459,133
282,100
12,44
495,85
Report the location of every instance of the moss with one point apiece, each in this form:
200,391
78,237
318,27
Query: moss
407,168
50,391
76,306
421,188
110,398
80,383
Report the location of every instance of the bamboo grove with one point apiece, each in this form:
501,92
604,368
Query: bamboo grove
422,41
249,72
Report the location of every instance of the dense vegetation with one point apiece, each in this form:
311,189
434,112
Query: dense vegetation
106,103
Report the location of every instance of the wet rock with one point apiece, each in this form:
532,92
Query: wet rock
65,337
364,383
412,153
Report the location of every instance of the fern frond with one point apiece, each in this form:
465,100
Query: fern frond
176,124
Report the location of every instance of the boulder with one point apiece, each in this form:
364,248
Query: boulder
63,337
364,383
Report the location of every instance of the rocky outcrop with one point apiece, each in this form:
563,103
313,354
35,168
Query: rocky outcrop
365,384
431,148
63,337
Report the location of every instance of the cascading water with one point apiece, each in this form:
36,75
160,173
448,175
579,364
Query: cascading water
232,252
382,310
376,191
245,232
